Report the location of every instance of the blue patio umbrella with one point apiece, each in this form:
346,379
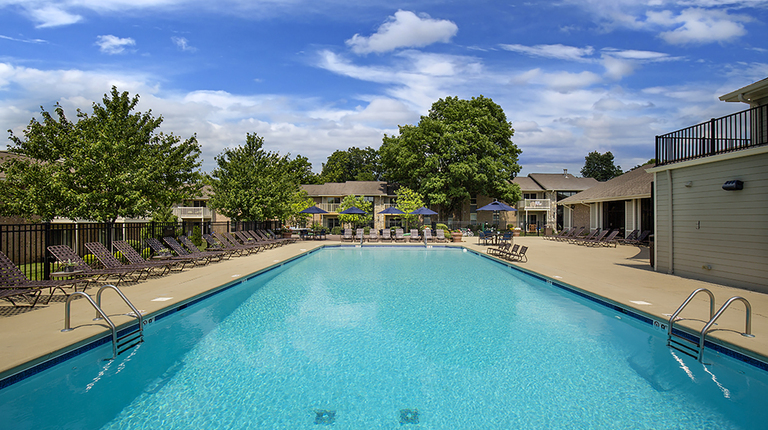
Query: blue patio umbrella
423,211
496,206
313,210
391,211
353,211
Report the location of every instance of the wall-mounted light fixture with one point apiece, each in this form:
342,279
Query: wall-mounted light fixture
689,184
733,185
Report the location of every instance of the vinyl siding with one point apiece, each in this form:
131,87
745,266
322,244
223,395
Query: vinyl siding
724,230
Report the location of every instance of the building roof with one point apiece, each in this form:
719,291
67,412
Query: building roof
358,188
633,184
751,94
562,181
527,184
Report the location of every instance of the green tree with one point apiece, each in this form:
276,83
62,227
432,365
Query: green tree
462,148
106,165
300,201
251,184
360,203
408,201
354,164
304,172
600,166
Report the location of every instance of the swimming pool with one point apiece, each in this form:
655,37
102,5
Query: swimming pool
392,338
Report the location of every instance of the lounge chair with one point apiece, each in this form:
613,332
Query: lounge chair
589,236
359,235
575,232
251,246
247,239
134,257
286,239
428,235
347,235
592,238
159,249
481,236
642,238
200,259
373,236
271,237
609,240
227,245
501,249
414,235
399,235
386,234
64,253
218,254
14,284
520,255
265,243
630,237
109,261
440,235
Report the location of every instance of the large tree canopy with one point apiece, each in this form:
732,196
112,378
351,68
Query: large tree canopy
106,165
354,164
461,149
600,166
251,184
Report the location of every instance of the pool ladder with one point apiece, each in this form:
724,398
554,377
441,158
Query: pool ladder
695,347
119,344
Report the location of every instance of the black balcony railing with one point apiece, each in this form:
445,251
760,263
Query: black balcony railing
730,133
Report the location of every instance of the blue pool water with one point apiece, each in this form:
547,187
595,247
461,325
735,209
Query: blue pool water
392,338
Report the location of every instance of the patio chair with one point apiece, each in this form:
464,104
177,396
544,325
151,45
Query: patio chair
134,257
399,235
386,234
270,237
261,240
481,235
510,253
630,237
217,254
109,261
285,239
64,253
414,235
252,247
592,238
589,236
227,245
562,234
199,259
428,235
247,239
642,238
502,248
520,255
321,234
347,235
359,235
440,235
14,284
373,236
159,249
575,232
609,240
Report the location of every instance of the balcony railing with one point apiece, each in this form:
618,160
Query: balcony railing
192,212
730,133
330,207
534,204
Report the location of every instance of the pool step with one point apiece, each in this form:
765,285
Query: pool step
684,345
129,340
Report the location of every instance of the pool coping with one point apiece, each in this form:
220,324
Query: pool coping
40,364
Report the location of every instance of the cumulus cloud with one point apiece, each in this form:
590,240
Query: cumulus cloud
110,44
699,26
404,30
557,51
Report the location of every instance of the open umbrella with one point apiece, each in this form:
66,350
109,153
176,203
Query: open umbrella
496,206
353,211
423,211
313,210
391,211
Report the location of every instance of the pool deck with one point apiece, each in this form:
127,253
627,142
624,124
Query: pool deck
620,275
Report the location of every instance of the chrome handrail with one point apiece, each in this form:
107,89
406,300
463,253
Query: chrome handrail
125,299
67,313
685,303
748,328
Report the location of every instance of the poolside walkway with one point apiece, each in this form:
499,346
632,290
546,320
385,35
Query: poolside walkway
621,275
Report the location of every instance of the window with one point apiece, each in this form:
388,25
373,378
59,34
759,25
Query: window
565,194
530,196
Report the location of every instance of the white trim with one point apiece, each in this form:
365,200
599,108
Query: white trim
711,159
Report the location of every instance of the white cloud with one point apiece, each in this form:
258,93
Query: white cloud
110,44
557,51
52,16
404,30
699,26
183,44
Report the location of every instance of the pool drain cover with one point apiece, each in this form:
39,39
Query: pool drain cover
325,417
409,416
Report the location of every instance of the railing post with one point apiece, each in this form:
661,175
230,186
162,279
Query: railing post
47,258
712,144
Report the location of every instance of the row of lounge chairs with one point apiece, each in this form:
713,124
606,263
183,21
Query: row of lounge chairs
386,236
574,235
15,286
510,252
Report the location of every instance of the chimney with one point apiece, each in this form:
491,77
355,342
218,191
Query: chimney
565,172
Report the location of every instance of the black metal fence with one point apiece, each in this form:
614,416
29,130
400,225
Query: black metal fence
26,244
719,135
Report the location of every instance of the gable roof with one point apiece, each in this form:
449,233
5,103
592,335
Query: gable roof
358,188
562,181
527,184
631,185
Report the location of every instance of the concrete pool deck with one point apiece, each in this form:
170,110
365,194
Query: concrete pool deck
621,275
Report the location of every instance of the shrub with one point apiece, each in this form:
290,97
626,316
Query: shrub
119,255
336,230
441,226
366,230
146,253
197,236
90,259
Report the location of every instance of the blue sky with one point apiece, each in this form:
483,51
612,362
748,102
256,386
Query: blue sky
315,76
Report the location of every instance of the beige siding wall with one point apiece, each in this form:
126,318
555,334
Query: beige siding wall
718,236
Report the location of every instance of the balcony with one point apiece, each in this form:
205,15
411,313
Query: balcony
730,133
192,213
534,204
329,207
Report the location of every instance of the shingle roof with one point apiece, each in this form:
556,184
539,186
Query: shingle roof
358,188
633,184
527,184
562,181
